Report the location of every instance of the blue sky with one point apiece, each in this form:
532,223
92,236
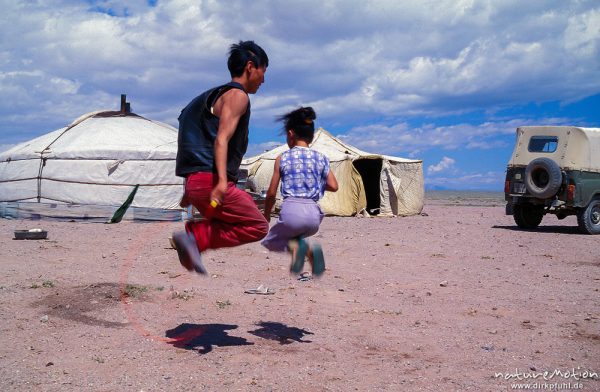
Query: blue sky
447,82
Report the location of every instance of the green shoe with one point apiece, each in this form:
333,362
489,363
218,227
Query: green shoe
298,262
318,260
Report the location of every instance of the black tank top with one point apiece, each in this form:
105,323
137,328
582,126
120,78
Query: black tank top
197,133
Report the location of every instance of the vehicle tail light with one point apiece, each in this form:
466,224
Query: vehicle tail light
506,186
571,192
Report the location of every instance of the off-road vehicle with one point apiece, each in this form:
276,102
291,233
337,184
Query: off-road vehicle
555,170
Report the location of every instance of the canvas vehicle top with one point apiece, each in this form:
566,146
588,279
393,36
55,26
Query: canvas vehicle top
572,148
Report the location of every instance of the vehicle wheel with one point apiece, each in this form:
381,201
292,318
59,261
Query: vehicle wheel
528,216
543,178
588,218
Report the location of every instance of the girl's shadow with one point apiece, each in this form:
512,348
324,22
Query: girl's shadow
203,337
280,332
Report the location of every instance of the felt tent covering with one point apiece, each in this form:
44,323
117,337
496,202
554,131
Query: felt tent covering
378,184
96,161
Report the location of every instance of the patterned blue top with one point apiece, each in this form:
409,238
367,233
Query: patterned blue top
303,173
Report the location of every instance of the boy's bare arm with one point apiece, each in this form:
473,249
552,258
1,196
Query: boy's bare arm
230,107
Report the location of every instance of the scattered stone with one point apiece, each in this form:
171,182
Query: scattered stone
184,295
223,304
49,364
44,318
444,283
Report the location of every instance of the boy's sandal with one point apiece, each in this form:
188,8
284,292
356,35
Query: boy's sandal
318,265
187,250
298,262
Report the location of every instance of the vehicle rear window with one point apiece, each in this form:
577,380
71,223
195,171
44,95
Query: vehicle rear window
543,143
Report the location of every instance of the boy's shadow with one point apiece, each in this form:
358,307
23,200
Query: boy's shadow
203,337
280,332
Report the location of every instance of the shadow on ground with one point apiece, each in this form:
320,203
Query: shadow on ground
544,229
280,332
203,337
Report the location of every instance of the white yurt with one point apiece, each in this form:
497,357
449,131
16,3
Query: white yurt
369,183
91,167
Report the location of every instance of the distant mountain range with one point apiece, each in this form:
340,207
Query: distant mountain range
430,188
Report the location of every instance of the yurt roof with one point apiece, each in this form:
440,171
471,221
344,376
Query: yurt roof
102,135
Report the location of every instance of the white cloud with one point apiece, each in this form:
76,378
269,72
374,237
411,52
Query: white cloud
256,149
491,180
582,35
402,139
446,164
370,62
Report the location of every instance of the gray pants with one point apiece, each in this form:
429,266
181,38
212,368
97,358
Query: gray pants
298,218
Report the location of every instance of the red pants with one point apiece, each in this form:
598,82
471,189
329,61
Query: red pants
236,220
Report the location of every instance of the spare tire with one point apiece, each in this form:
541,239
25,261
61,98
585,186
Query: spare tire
543,178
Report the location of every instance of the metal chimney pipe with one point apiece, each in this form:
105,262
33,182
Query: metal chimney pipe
123,103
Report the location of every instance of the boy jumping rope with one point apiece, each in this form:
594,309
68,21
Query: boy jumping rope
305,175
212,139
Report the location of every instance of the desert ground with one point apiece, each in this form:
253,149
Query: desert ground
455,299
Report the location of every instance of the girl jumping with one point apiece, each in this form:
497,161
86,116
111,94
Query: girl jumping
305,175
